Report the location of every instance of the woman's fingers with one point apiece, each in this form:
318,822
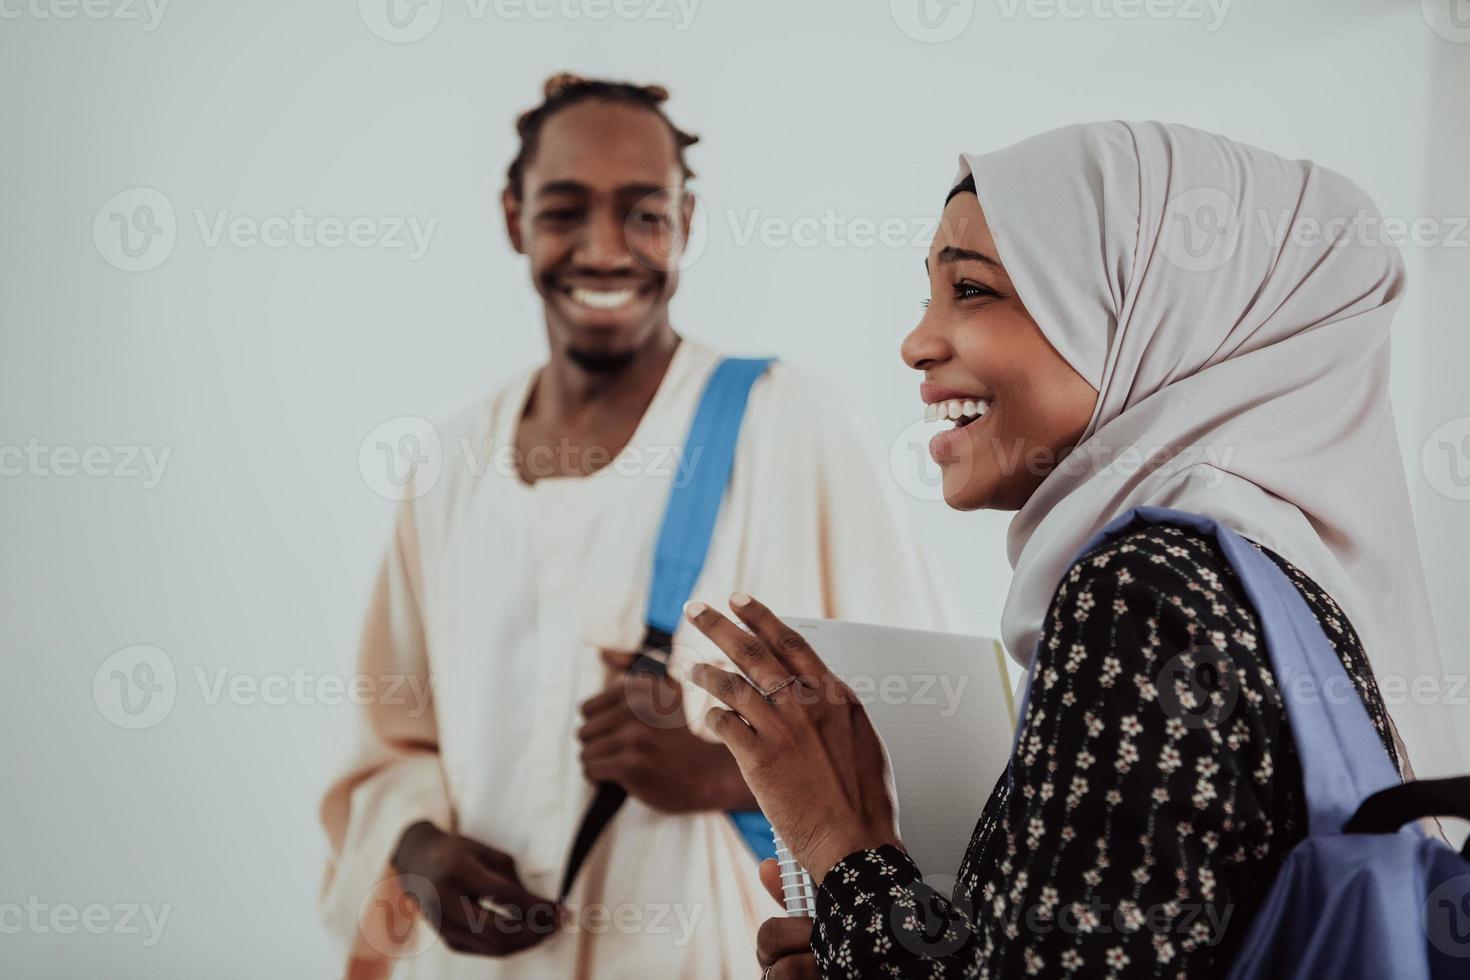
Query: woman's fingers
790,647
800,967
789,935
747,651
770,873
732,730
734,691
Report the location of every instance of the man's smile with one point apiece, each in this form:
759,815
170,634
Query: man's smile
602,299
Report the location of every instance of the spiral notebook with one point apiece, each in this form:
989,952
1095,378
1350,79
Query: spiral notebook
944,705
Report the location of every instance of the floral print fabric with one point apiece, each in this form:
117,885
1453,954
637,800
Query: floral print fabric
1152,796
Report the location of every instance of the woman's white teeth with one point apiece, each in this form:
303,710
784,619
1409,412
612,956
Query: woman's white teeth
601,299
956,409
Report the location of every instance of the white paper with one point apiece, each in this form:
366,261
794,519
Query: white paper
943,705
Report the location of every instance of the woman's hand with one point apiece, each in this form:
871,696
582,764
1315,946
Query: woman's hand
784,944
808,751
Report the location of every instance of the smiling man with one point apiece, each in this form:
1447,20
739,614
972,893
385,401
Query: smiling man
519,592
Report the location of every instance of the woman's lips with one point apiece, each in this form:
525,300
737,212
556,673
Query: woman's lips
944,447
946,405
931,392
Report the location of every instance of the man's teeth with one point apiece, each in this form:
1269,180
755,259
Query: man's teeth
956,409
602,299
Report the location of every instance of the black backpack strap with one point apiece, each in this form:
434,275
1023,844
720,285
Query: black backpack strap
1387,810
658,646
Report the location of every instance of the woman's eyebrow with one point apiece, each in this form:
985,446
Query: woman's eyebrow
952,253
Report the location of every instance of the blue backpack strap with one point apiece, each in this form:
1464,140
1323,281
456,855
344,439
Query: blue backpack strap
678,558
1343,761
699,488
689,523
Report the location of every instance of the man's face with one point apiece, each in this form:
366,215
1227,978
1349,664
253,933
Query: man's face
603,218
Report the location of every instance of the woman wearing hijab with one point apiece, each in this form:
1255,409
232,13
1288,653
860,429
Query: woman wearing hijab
1120,315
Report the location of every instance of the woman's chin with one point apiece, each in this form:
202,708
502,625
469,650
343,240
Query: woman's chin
964,494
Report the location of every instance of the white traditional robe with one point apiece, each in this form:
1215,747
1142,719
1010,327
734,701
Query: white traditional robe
502,593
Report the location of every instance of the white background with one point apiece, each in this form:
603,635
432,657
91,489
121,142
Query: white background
262,369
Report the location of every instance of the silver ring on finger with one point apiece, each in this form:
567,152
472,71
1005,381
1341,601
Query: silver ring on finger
766,694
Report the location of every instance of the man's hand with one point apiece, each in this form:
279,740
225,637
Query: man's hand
471,894
784,944
636,736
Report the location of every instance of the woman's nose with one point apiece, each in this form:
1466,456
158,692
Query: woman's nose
925,346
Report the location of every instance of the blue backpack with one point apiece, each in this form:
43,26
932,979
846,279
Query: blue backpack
1366,894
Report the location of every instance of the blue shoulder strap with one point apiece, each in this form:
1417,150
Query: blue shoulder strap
1343,761
678,558
699,488
689,522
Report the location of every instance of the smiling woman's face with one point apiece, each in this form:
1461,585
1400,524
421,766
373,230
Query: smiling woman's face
1018,406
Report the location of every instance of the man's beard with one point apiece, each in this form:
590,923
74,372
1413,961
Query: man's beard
601,362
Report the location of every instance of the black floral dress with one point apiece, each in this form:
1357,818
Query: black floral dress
1151,799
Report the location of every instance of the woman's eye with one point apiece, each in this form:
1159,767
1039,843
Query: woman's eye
964,291
969,290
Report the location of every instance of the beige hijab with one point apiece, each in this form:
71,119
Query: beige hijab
1232,308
